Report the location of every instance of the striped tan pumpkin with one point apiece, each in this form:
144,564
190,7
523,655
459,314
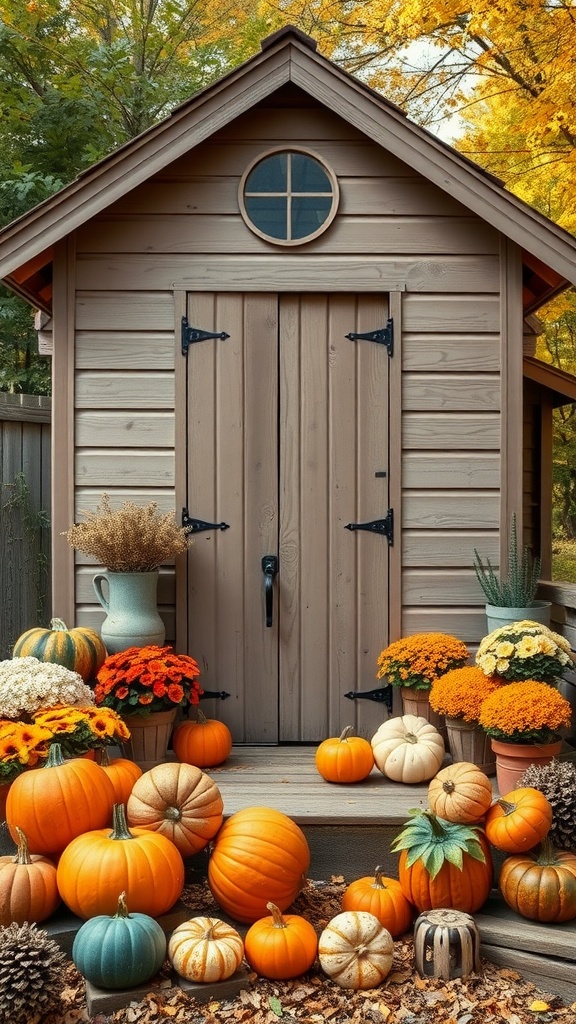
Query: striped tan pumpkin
79,649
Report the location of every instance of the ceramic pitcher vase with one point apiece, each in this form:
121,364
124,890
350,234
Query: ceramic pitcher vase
132,618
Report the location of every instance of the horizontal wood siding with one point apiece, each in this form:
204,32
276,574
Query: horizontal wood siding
124,420
393,232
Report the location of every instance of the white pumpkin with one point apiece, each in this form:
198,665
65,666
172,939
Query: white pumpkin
408,749
205,949
355,950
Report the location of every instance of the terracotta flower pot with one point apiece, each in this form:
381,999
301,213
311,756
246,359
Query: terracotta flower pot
512,760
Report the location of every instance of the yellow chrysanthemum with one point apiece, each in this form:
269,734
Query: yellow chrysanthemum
527,646
504,650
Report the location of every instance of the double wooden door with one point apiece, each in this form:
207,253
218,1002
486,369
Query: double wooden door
287,444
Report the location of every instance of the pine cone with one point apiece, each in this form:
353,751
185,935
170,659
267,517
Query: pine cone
557,781
30,973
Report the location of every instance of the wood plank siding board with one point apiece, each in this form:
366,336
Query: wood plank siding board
457,469
134,389
451,430
446,548
450,510
298,272
124,311
140,467
359,196
451,392
450,351
357,235
124,350
449,587
468,624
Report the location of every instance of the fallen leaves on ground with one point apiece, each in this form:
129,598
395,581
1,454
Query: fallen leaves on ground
495,996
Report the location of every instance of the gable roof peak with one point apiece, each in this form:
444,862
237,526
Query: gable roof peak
285,32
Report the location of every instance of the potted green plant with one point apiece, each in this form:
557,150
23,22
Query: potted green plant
512,597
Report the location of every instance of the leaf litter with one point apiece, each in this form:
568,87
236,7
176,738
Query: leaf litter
495,995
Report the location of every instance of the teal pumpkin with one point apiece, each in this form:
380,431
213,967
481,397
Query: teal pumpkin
119,951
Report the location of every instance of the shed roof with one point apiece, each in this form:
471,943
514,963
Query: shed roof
287,56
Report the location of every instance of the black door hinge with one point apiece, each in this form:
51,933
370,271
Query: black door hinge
382,695
382,336
190,335
383,526
199,525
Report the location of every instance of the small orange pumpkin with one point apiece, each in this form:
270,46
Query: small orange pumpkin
519,820
461,792
28,889
122,773
344,758
382,897
178,801
280,946
203,743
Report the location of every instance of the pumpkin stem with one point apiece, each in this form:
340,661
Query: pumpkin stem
348,731
546,853
58,624
448,786
378,884
22,853
201,717
209,933
411,738
55,758
104,757
279,921
507,806
173,814
120,829
122,910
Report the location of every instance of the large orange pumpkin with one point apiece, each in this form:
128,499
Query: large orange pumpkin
99,865
344,758
79,649
519,820
382,897
259,856
428,875
461,792
178,801
59,801
203,743
28,889
541,885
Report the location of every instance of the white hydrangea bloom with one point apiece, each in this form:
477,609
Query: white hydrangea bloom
27,684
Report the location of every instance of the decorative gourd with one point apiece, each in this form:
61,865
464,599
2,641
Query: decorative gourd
519,820
443,864
446,945
259,855
59,801
98,865
541,884
79,649
122,773
344,758
120,951
28,889
461,792
382,897
408,749
355,950
205,949
203,743
280,946
178,801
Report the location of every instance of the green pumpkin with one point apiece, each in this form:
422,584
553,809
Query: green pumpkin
119,951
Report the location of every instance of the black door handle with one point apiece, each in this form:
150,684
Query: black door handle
269,568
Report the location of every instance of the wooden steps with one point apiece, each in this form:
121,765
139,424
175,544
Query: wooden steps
542,953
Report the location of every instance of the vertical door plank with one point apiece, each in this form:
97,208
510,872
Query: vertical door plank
232,424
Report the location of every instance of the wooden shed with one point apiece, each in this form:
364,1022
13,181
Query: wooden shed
294,314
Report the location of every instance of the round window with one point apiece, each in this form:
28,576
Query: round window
288,197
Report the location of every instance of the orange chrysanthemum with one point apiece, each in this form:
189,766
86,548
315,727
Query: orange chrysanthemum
151,677
419,659
525,712
461,692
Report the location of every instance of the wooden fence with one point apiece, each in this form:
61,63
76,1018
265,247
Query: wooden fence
24,515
